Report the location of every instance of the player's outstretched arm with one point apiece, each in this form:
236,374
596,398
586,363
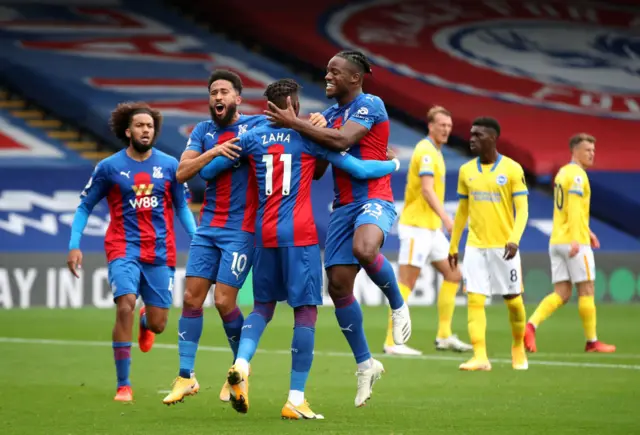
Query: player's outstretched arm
215,167
362,169
192,161
333,139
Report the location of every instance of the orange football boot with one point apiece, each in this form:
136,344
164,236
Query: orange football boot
599,347
530,338
124,394
146,337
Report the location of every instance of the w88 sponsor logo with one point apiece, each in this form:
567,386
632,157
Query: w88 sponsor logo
144,198
144,202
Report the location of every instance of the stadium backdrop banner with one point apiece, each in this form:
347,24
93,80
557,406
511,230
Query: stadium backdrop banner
527,65
42,280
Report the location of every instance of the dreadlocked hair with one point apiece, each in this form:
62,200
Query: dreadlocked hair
357,58
281,89
123,114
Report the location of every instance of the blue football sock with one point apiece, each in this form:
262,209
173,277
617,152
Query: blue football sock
382,274
232,324
302,345
349,315
254,326
122,357
189,332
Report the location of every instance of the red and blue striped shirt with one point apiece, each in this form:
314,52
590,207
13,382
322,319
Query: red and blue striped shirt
369,111
230,200
141,197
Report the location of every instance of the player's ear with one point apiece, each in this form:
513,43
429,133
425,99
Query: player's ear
238,100
127,132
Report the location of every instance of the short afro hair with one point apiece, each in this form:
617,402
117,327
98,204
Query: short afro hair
230,76
488,122
281,89
358,59
123,114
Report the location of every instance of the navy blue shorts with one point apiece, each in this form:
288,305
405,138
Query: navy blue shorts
343,223
221,255
153,283
292,274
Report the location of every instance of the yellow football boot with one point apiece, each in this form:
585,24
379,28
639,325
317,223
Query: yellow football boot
519,358
181,388
238,389
302,412
474,365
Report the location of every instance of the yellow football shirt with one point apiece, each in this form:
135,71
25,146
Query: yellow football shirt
571,204
490,190
426,160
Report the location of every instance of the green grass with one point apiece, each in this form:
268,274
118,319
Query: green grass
66,388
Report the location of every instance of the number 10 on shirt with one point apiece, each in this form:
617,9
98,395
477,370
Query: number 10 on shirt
285,160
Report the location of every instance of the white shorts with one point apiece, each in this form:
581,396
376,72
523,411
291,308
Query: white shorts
485,272
421,245
580,268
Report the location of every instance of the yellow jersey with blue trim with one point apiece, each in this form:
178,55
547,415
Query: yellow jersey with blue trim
490,190
571,206
426,160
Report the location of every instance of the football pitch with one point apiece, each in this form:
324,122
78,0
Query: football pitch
57,376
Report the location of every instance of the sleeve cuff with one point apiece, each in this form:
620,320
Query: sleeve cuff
524,192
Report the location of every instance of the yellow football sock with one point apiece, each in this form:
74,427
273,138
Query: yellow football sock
546,308
587,310
405,291
477,320
446,305
518,319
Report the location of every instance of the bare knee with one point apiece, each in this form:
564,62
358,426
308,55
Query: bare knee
449,274
564,290
408,275
156,318
224,298
195,292
366,243
341,279
125,305
586,288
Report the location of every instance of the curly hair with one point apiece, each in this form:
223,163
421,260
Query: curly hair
281,89
358,59
230,76
123,114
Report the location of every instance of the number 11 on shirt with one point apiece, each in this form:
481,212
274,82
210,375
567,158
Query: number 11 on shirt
286,175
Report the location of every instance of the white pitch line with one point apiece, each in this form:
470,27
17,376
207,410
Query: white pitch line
17,340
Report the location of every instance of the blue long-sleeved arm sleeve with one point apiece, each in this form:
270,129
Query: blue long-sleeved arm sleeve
215,167
362,169
80,220
188,222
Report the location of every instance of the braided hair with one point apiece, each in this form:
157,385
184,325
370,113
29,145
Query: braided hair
281,89
358,59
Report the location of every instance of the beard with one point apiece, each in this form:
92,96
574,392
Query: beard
140,147
228,116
